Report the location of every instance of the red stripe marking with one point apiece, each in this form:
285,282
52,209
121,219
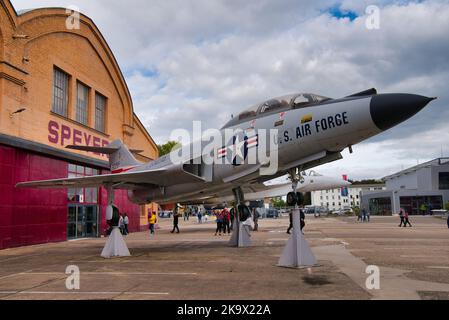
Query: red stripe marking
121,170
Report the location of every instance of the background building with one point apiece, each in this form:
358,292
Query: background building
339,199
59,84
418,190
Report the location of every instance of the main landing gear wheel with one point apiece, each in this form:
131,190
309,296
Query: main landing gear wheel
292,198
299,198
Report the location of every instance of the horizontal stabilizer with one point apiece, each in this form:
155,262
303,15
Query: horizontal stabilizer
104,150
158,177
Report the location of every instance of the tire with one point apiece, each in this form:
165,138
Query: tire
299,198
244,212
291,199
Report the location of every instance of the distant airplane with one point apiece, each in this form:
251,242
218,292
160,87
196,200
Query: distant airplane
308,183
311,130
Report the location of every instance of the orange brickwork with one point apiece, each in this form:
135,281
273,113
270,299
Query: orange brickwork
32,45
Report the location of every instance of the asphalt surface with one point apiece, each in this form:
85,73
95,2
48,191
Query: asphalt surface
413,263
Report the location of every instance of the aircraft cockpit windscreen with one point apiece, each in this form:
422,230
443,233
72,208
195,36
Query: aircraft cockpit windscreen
251,112
305,99
275,104
319,99
294,101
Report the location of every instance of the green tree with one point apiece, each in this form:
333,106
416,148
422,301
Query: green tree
278,202
167,147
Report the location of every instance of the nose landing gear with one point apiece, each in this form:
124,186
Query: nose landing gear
295,198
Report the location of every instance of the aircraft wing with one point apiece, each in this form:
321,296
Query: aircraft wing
158,177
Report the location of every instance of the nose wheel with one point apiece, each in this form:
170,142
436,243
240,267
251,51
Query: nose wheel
295,198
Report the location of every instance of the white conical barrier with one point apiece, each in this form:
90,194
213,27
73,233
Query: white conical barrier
297,252
115,245
240,234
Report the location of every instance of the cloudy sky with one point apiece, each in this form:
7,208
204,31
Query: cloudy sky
205,60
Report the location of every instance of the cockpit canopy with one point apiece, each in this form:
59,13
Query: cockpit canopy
292,101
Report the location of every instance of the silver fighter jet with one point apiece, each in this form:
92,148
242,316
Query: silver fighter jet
310,130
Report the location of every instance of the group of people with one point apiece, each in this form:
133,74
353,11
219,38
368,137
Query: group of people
224,219
123,224
363,216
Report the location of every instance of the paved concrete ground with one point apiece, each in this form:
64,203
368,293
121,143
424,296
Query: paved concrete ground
413,262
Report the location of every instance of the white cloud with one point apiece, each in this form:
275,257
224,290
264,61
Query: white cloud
206,60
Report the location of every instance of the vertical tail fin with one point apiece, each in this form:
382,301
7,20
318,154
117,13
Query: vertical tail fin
121,158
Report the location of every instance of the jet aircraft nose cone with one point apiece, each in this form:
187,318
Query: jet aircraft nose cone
388,110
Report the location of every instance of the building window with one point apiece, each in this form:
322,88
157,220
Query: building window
443,180
60,92
82,103
100,111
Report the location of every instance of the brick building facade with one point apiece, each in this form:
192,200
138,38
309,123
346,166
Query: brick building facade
59,85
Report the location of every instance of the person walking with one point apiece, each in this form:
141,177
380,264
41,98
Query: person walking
121,224
226,220
406,220
401,215
302,219
176,218
448,221
232,217
152,221
219,221
126,223
360,216
186,214
367,215
256,219
200,216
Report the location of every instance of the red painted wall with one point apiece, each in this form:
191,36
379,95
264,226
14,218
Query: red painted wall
124,205
170,206
33,216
